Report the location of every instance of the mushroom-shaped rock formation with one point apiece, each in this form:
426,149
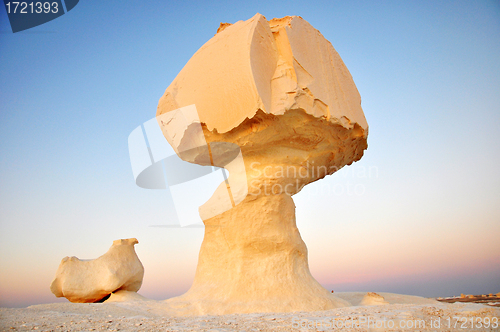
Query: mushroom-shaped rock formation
85,281
273,103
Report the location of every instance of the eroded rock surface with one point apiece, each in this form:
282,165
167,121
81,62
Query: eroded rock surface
279,92
272,66
85,281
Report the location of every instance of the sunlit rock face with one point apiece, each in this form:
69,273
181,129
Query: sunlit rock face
277,91
85,281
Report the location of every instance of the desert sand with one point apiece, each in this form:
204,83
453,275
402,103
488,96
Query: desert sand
140,314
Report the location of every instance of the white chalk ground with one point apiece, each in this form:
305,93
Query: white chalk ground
401,313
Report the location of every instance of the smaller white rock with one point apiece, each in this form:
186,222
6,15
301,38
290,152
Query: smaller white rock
85,281
373,299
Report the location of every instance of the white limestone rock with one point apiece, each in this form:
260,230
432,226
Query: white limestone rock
277,91
372,298
85,281
272,66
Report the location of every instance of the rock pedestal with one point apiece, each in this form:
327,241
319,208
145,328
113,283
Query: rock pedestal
253,260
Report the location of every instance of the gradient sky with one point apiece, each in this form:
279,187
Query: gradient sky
419,214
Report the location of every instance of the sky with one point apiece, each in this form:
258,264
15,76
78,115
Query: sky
419,214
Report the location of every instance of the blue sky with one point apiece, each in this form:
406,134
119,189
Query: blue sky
425,221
